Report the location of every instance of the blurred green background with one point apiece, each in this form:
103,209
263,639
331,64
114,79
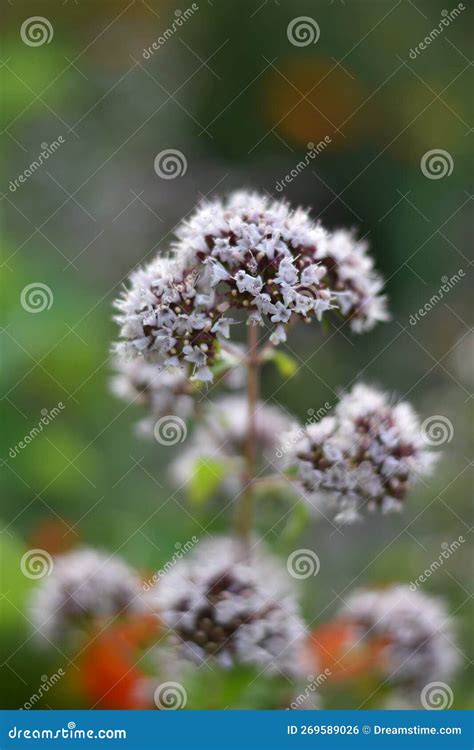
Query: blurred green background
241,102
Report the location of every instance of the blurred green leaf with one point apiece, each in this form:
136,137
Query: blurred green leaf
241,687
207,475
14,584
27,75
285,364
297,521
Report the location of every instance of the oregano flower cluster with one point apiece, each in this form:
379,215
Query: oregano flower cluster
252,264
365,457
250,254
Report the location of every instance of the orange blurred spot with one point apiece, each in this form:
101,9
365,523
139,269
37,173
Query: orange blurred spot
337,646
54,535
109,675
308,99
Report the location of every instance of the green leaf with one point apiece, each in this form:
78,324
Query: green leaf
296,523
285,364
237,687
15,585
207,475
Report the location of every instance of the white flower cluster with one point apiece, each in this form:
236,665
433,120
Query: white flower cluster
220,607
83,585
366,457
251,254
355,284
221,436
278,263
415,629
168,320
262,254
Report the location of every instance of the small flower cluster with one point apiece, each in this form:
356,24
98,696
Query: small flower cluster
247,254
366,457
220,607
413,628
354,282
279,264
167,319
222,433
85,584
262,255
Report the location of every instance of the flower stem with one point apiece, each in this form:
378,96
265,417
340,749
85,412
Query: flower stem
244,515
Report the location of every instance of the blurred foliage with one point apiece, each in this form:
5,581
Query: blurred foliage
242,103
